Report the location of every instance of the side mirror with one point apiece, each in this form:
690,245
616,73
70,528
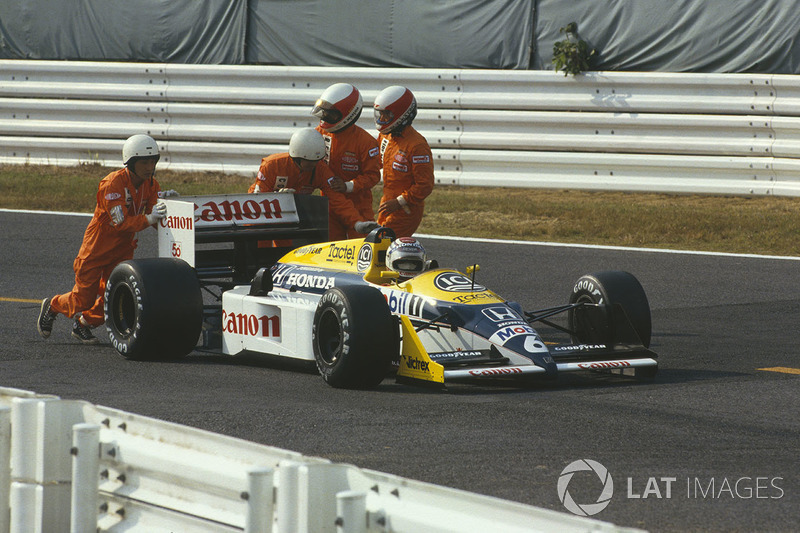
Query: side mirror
261,284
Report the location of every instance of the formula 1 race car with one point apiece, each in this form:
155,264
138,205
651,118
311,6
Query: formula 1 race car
284,293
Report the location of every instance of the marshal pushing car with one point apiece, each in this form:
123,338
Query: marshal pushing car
250,274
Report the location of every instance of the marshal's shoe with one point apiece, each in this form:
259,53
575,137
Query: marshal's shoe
46,319
83,333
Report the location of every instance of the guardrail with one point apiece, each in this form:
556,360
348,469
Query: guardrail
69,465
701,133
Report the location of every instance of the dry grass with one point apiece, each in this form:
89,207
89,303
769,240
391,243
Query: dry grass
760,225
764,224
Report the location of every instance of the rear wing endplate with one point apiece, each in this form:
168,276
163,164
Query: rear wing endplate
231,236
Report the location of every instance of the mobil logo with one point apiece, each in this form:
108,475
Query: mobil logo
503,335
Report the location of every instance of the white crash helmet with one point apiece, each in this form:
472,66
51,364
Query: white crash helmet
338,107
395,108
139,145
406,256
307,144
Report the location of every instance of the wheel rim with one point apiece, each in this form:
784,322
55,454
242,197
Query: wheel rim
122,310
329,337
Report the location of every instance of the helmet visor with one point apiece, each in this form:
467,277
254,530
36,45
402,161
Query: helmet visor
408,265
383,117
326,112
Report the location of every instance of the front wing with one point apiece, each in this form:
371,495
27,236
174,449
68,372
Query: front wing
417,365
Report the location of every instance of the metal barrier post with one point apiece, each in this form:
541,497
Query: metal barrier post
260,492
85,477
5,468
351,512
287,497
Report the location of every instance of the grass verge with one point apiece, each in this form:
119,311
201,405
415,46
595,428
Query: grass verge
757,225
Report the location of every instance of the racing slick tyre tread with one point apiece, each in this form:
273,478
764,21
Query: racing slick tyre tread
610,288
153,309
355,337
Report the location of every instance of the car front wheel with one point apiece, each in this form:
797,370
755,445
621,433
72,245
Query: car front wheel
354,337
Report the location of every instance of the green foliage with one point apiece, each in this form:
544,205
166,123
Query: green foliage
572,55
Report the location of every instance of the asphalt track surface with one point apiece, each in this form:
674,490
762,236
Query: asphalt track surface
713,444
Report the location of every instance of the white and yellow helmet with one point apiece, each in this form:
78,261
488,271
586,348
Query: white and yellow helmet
406,256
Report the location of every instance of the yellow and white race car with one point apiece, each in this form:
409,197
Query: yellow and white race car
336,303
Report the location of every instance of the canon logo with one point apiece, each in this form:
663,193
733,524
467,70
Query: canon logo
605,364
490,372
251,325
177,222
229,211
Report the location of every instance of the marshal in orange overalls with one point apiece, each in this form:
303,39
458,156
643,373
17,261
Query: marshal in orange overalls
408,172
352,154
105,245
279,171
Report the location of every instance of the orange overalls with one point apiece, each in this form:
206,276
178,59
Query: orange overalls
279,171
407,172
352,154
105,245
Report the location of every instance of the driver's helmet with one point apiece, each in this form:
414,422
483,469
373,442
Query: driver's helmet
395,108
406,256
338,107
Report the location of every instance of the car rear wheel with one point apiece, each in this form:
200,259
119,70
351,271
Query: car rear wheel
354,336
613,291
153,308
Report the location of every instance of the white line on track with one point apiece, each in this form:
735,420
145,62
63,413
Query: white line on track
30,212
600,247
501,241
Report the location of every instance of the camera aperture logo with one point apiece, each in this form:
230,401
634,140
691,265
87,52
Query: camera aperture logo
585,509
746,487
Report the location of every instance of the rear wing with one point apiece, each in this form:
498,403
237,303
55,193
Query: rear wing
229,237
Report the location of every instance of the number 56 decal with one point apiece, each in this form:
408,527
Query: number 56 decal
176,249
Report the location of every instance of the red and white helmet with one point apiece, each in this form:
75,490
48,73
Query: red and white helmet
338,107
406,256
395,108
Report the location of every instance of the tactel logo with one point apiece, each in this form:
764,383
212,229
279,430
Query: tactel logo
586,509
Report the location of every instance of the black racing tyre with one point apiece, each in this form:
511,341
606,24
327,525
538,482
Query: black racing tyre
355,337
592,325
153,309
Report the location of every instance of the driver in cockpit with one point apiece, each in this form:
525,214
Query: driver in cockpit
406,256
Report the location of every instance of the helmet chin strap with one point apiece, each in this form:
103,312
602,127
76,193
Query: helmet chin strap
141,179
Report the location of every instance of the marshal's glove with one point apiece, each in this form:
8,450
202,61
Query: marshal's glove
365,226
159,212
168,194
286,189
